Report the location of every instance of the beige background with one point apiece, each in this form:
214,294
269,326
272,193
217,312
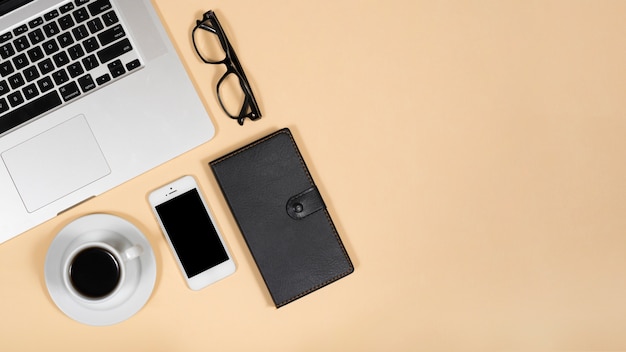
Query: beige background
471,153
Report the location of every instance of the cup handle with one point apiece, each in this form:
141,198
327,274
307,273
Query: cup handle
132,252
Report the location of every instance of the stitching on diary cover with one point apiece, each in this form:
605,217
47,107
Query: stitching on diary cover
325,210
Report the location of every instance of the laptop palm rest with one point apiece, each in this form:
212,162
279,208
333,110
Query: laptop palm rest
55,163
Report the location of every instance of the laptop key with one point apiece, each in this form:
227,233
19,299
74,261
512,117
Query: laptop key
114,50
99,7
4,106
90,62
51,29
69,91
76,52
5,36
66,22
60,77
95,25
29,111
50,47
51,15
110,18
7,51
21,43
30,91
45,84
133,65
15,98
116,68
81,15
80,32
61,59
103,79
46,66
75,69
110,35
86,83
35,22
65,39
35,54
16,80
20,61
4,88
20,30
36,36
6,68
66,8
31,74
91,45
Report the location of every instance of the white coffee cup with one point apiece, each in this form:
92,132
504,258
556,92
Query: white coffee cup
95,271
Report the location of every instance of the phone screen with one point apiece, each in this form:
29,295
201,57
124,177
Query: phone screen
192,233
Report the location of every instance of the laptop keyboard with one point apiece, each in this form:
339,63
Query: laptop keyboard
55,58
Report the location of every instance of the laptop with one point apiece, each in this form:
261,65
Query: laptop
92,94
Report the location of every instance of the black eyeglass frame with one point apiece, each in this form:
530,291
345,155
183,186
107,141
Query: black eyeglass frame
210,23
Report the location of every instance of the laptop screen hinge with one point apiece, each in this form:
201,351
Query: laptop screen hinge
8,6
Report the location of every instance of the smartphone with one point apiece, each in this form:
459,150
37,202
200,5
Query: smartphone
190,230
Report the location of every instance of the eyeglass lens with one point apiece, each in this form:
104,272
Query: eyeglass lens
208,46
231,95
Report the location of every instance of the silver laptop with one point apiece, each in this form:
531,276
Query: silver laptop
92,94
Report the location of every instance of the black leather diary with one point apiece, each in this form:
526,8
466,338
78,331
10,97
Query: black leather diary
282,217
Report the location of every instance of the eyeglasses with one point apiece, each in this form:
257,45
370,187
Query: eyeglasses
233,89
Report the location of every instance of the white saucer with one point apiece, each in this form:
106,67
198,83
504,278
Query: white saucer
140,274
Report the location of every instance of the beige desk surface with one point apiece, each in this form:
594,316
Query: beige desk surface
471,153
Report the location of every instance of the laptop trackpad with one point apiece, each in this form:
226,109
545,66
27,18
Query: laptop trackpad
55,163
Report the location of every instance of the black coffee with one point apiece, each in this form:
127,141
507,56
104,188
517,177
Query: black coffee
94,272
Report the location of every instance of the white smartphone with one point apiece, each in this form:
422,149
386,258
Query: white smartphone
190,230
